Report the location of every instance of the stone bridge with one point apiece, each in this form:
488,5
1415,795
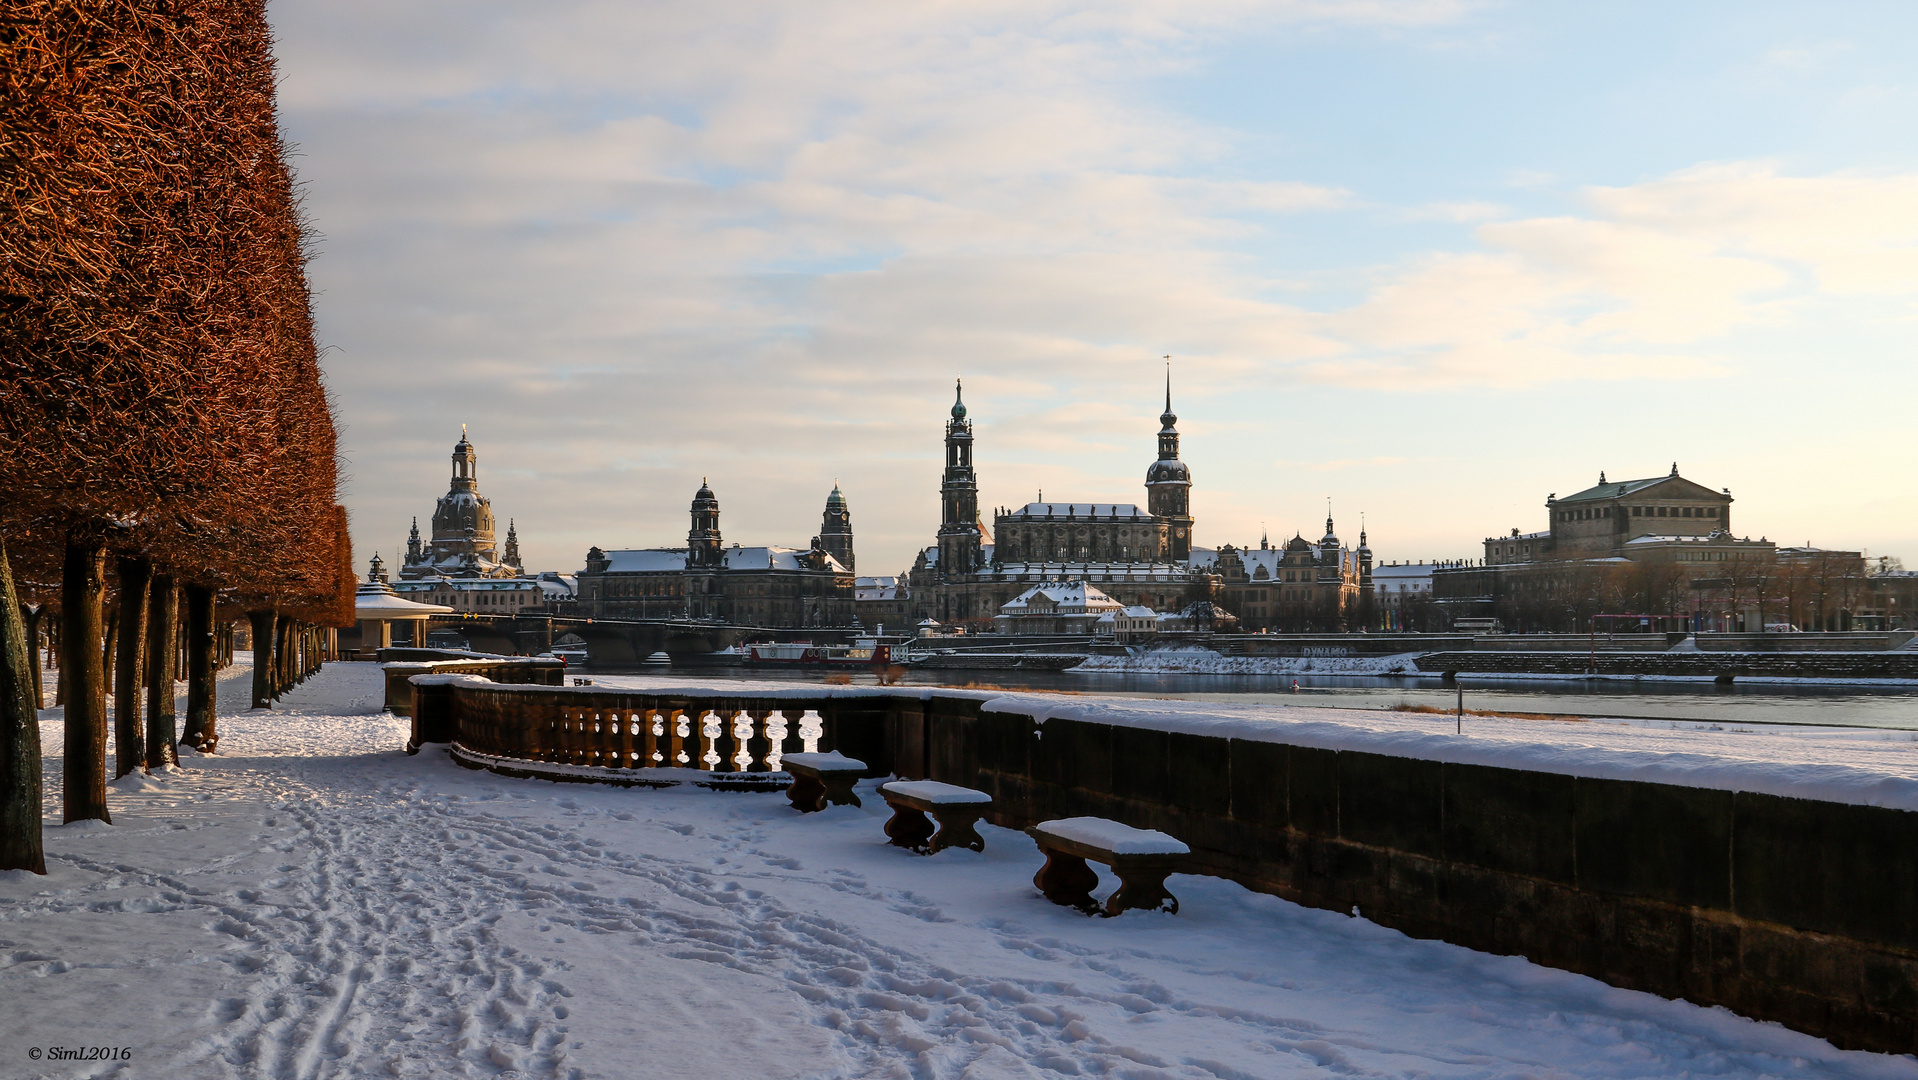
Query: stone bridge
617,642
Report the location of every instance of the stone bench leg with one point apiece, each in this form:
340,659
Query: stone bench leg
909,828
1141,889
956,829
839,790
806,794
1068,881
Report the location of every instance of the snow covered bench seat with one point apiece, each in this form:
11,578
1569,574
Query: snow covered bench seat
1140,857
956,809
821,780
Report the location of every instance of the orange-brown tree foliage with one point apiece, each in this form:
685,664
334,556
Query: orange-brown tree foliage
160,390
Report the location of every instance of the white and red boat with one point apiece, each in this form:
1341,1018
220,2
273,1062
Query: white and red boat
862,653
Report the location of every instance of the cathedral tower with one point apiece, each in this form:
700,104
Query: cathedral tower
463,543
1168,484
703,549
959,539
835,529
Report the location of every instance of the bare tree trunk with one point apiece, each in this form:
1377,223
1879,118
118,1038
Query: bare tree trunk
129,739
19,736
200,733
261,623
282,654
83,676
31,619
162,624
56,659
111,641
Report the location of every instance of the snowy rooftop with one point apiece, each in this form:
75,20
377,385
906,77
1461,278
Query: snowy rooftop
1059,598
667,560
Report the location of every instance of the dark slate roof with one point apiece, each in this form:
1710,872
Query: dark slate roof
1600,492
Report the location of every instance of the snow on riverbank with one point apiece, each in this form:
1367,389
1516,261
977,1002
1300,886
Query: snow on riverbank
314,903
1192,660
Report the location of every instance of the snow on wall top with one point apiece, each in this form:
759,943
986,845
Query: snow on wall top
1860,766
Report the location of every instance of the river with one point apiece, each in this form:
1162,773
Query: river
1823,705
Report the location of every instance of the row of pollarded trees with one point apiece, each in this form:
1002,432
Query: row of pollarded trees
161,406
1816,590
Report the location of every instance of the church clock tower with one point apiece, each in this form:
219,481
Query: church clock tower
959,540
1168,485
703,549
835,529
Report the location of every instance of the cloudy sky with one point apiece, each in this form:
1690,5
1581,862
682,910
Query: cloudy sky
1433,259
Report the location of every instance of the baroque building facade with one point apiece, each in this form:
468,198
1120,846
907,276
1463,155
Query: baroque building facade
1300,586
1659,548
463,543
771,586
1139,557
463,565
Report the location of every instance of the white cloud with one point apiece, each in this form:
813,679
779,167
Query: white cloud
637,244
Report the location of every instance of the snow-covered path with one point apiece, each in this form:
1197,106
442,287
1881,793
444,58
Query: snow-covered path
313,903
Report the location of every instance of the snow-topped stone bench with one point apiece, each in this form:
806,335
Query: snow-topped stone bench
956,809
821,780
1141,858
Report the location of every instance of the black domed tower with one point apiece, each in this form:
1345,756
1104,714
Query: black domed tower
1168,484
959,540
835,529
702,542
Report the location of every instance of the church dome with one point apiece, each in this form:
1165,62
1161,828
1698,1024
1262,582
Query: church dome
835,501
704,499
1165,471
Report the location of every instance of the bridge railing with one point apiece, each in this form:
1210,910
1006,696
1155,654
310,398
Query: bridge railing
601,729
538,670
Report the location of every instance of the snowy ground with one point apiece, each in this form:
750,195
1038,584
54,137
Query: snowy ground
313,903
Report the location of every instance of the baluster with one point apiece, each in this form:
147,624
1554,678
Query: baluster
741,758
658,743
627,722
684,744
711,732
775,739
590,726
560,738
811,728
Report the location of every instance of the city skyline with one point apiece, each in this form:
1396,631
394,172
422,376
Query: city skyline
1434,259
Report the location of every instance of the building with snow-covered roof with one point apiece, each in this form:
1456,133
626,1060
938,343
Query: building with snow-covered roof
1142,557
1298,586
770,586
883,602
1055,607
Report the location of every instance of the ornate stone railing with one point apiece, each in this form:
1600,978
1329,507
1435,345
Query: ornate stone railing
598,733
537,670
